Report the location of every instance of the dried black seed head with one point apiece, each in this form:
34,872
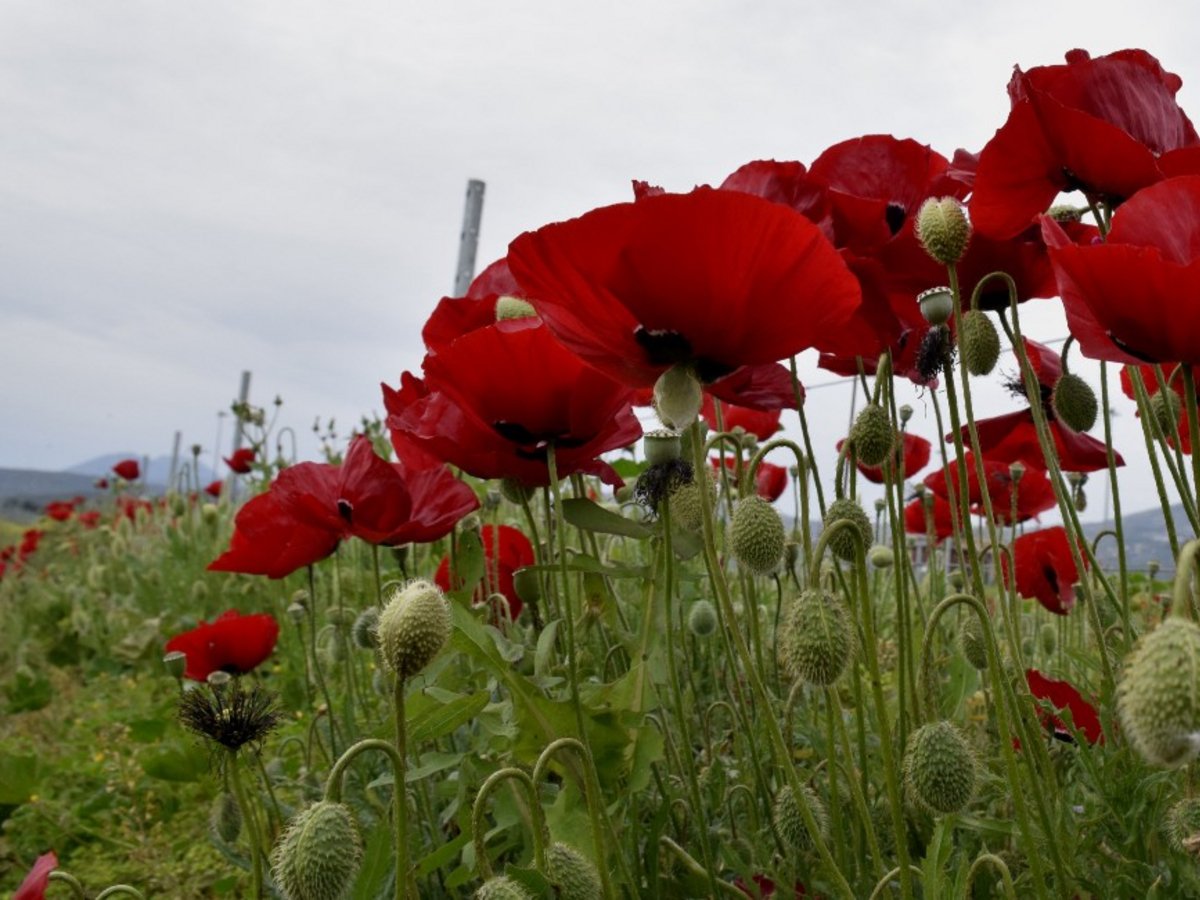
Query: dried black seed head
936,350
232,717
657,482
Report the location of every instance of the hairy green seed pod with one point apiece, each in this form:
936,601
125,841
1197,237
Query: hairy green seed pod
687,502
972,641
818,640
789,820
678,397
702,618
943,229
939,768
572,874
1159,695
513,308
1182,826
978,342
225,817
318,856
514,491
1048,638
503,888
1166,407
363,630
872,435
1074,402
842,543
757,535
413,627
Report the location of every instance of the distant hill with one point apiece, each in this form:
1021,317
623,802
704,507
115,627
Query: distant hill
24,493
1145,539
155,472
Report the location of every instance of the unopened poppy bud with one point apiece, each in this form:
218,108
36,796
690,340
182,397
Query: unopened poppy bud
906,412
757,535
363,631
318,856
678,397
1166,407
571,874
1159,695
687,502
1183,826
789,819
818,640
301,597
513,308
943,229
514,491
843,543
973,642
880,504
338,616
413,627
872,435
661,446
957,580
937,304
210,513
939,768
297,612
502,888
199,592
1048,638
881,557
978,342
702,618
491,500
225,817
1016,471
472,523
1074,402
175,663
1065,213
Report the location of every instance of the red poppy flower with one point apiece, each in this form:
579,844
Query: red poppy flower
1182,437
763,388
89,519
495,399
455,316
100,484
31,539
1063,695
129,469
1136,297
38,880
1035,494
506,549
1045,568
311,507
60,510
233,643
213,488
765,887
787,183
942,518
1096,125
770,480
242,460
1013,437
761,424
916,457
714,279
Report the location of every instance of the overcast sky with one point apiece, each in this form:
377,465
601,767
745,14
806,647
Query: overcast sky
190,190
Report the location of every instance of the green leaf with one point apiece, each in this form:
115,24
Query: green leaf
544,655
377,864
628,468
19,776
442,719
147,731
583,513
30,691
469,563
443,855
175,761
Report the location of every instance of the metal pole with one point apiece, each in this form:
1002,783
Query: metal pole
468,241
171,485
243,397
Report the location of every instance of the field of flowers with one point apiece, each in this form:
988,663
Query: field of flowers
509,644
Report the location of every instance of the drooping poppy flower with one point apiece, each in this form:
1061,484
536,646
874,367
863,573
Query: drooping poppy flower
232,643
506,549
1034,493
129,469
311,507
1063,695
770,480
1095,125
214,488
1136,297
242,460
713,279
1045,569
917,520
132,507
761,424
38,880
916,457
494,401
1182,437
100,484
59,510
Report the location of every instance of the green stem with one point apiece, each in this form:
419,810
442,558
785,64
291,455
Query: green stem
405,886
70,881
478,834
253,832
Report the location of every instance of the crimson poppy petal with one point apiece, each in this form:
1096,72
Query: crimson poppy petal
1064,695
38,879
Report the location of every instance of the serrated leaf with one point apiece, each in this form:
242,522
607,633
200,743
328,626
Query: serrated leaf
544,654
377,864
442,719
590,516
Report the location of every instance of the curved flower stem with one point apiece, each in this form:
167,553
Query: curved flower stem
1149,429
535,810
801,480
117,889
783,756
70,881
253,830
316,661
1188,557
698,871
900,871
1000,865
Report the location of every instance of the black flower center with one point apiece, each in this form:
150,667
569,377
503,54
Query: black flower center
894,215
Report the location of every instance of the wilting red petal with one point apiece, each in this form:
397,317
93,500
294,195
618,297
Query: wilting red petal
129,469
1063,695
1045,568
231,643
506,549
38,880
1013,438
214,488
942,518
916,457
242,460
1034,492
717,279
